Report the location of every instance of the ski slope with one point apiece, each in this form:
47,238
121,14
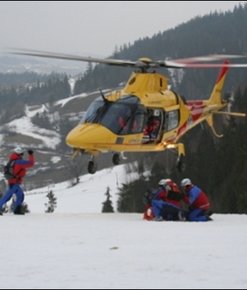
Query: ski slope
78,247
107,251
87,196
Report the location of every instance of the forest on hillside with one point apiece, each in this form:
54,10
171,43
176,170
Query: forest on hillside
29,89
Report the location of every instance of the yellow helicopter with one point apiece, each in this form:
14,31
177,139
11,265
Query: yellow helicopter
144,116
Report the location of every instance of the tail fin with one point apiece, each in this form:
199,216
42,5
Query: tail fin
215,97
215,100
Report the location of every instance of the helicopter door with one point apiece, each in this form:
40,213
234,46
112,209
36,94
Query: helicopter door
153,127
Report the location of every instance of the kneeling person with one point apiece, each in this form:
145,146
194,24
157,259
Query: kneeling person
197,200
167,205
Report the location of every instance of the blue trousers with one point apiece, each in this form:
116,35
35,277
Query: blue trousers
13,189
165,209
197,215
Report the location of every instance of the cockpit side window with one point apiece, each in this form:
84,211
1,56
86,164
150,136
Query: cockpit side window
94,111
172,120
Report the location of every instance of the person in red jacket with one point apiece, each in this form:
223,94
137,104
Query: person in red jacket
19,171
197,200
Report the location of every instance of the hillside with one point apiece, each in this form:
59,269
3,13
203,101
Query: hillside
15,64
44,128
87,196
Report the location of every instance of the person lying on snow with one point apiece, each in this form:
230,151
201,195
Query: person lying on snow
164,203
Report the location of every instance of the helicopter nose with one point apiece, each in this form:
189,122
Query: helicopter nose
81,135
87,135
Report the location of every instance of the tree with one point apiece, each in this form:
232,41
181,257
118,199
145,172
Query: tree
131,196
52,202
107,205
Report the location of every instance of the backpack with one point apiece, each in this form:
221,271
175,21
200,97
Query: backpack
8,170
174,192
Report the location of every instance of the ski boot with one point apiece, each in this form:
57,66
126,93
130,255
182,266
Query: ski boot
19,210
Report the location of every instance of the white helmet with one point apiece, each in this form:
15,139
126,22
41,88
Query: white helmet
185,182
163,182
19,150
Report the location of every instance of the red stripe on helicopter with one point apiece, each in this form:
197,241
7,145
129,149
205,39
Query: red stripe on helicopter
182,129
196,109
224,70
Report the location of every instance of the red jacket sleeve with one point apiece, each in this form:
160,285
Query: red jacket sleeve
20,167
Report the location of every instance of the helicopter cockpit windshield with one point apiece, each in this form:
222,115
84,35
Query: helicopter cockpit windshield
125,116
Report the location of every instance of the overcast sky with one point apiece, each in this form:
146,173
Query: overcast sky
93,28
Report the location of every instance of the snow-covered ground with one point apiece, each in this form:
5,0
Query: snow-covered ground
87,196
79,247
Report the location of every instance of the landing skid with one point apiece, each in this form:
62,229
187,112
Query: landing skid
181,163
92,167
116,159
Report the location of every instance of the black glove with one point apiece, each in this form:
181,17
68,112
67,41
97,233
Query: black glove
30,152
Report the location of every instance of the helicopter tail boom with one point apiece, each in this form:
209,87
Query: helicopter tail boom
216,95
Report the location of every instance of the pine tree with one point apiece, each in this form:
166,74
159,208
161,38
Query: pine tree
52,202
107,205
131,196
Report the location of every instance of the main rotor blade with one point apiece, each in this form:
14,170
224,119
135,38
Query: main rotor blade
171,64
204,61
208,58
73,57
144,63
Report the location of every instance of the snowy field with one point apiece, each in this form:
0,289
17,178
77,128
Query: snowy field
79,247
107,251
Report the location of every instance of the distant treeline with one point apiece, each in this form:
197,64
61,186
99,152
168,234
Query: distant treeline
31,89
16,80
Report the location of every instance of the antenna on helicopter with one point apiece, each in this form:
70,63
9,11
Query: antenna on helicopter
103,96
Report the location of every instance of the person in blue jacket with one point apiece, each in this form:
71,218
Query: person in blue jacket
199,206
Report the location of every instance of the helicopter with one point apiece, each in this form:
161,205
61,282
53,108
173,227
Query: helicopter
145,115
